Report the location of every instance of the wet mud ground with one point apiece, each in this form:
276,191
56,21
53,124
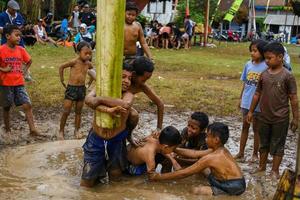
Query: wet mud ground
43,168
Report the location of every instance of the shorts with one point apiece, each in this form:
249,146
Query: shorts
75,93
10,95
245,112
273,136
231,187
129,59
101,156
165,35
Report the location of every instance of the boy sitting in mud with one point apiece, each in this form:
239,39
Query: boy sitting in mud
133,33
75,90
145,159
223,173
105,149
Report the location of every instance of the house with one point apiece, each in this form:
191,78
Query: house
162,11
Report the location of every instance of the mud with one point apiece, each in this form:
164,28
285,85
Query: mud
43,168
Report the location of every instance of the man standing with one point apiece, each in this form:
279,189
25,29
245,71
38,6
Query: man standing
86,16
11,16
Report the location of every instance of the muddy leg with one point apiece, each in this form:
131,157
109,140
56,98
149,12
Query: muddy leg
275,168
64,117
244,138
263,160
78,109
29,116
256,140
6,119
202,190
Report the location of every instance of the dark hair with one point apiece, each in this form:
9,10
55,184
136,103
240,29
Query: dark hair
260,44
275,48
170,136
127,67
82,44
202,118
141,65
132,6
9,28
219,130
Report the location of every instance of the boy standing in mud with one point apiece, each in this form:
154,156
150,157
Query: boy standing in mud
12,89
223,173
133,33
105,149
75,90
276,87
145,159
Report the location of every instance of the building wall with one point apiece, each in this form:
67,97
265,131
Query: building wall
156,11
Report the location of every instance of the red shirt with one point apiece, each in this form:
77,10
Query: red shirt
15,58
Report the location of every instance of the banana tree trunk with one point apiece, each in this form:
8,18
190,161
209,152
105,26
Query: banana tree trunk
109,54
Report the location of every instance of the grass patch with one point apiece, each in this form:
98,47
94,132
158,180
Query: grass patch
205,79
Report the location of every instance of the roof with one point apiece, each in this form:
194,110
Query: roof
280,20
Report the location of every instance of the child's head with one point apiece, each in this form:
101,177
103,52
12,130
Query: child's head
256,49
169,139
217,135
131,12
143,68
84,50
76,8
12,34
126,76
274,53
197,122
83,28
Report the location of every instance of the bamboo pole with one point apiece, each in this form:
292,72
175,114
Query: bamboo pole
109,54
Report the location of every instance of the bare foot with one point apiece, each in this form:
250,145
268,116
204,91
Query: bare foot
239,157
34,132
78,134
258,170
253,159
60,135
274,175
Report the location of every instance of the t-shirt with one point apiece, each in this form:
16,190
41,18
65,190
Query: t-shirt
250,77
76,22
6,19
197,143
274,99
87,18
14,58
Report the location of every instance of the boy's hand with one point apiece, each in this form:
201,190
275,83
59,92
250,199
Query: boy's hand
114,111
6,69
154,176
249,117
62,82
294,125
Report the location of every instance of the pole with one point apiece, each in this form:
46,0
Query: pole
249,18
206,23
109,55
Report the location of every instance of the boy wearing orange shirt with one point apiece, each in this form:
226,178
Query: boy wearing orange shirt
12,59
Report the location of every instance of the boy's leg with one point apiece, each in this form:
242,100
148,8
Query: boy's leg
29,116
244,137
256,140
67,109
6,119
78,109
264,131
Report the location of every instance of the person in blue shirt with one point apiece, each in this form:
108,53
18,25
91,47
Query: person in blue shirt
250,78
11,16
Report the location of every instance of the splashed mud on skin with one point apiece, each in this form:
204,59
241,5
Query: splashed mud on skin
33,168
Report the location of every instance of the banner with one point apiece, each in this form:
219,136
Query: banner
232,11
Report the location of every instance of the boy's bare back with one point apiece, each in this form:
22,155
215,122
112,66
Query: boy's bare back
78,71
133,33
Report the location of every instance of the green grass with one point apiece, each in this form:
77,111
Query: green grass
205,79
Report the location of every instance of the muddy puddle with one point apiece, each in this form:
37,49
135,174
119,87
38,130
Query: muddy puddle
46,169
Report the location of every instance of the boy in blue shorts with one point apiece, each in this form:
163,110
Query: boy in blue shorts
276,87
12,89
105,149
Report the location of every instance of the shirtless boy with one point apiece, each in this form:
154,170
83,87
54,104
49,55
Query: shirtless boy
144,159
105,149
133,32
75,90
224,175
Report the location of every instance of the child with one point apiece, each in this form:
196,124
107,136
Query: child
250,77
144,159
12,58
105,149
224,175
133,33
75,90
279,84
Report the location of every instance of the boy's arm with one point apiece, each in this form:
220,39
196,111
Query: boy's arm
189,153
193,169
144,43
160,105
61,71
27,65
295,111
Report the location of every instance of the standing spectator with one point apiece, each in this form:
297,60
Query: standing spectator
86,16
188,25
165,33
11,16
75,19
